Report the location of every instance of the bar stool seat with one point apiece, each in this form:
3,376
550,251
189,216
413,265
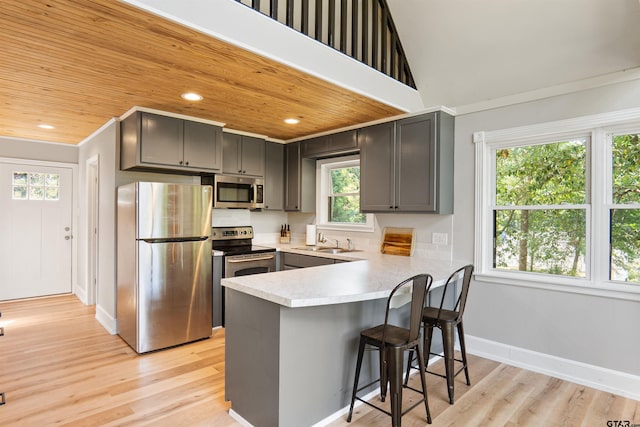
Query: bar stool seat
392,341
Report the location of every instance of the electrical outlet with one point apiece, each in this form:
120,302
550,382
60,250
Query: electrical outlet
439,238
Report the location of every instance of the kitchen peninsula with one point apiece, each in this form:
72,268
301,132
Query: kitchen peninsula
292,336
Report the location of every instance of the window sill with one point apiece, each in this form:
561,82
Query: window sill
605,289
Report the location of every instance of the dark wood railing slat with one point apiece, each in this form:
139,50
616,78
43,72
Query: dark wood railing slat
318,17
366,31
354,29
304,22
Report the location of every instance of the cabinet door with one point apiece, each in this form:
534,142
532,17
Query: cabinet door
274,176
377,168
416,164
231,153
304,261
161,140
202,146
252,156
343,142
292,177
315,146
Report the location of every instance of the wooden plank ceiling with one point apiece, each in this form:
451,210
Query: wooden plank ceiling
75,64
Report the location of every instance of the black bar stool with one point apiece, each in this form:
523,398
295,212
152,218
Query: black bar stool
392,341
447,321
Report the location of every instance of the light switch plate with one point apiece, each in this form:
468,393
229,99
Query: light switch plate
439,238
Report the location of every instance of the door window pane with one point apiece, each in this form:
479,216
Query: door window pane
20,192
20,178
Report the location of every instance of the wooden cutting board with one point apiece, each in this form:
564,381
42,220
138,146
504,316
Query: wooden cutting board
398,241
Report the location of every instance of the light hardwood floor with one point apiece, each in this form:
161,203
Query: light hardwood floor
58,366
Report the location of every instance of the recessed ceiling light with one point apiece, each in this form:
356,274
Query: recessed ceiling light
45,126
191,96
291,121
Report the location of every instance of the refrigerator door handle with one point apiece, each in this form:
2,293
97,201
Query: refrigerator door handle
172,240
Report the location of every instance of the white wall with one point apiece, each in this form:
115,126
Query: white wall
593,330
16,148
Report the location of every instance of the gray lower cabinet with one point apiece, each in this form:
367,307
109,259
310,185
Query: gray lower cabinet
155,142
217,291
407,165
337,144
292,261
242,155
300,180
274,176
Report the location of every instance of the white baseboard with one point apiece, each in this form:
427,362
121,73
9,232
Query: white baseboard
106,320
604,379
81,294
233,414
344,411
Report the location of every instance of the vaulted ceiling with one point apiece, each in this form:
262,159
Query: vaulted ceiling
466,52
74,64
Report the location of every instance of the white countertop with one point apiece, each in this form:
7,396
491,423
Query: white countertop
370,275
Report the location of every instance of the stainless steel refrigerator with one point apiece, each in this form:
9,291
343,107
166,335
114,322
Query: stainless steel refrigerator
164,264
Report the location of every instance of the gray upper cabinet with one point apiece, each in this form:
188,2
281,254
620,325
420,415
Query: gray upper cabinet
242,155
202,146
407,165
155,142
274,176
377,168
300,180
331,145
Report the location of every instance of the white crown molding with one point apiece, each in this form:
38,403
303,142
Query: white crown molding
584,123
549,92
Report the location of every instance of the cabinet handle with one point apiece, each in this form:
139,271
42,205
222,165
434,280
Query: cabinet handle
186,163
180,162
390,207
244,171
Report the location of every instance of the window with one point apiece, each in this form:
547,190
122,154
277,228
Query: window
35,186
338,204
624,211
558,204
540,210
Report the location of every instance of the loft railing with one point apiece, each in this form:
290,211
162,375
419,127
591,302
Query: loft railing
362,29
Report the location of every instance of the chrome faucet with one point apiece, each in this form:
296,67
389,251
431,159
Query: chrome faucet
322,239
350,245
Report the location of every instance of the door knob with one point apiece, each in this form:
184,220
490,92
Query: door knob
67,237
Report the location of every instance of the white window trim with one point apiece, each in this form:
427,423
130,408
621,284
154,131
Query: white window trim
322,193
601,128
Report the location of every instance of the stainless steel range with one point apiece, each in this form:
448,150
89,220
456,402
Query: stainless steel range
241,256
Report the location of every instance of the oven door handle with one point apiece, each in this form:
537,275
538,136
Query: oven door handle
263,258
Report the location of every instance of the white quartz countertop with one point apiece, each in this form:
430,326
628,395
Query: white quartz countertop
370,275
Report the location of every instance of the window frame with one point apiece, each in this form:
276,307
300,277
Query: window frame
323,182
600,129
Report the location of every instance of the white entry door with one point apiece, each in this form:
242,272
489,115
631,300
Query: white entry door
35,230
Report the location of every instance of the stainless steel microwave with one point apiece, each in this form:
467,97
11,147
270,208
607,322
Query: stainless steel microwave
238,192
